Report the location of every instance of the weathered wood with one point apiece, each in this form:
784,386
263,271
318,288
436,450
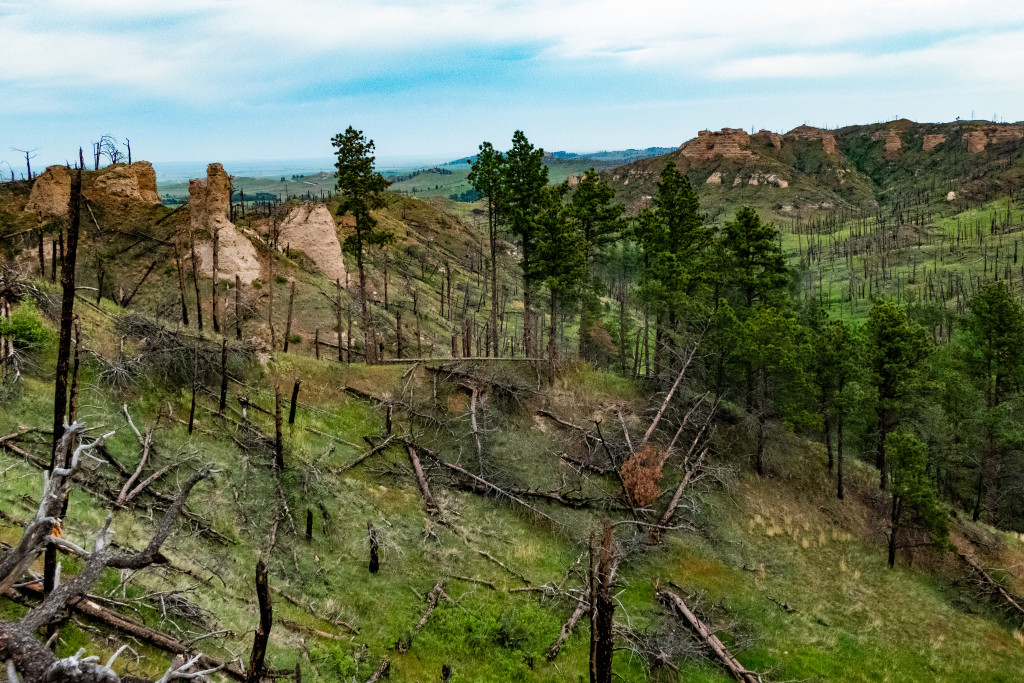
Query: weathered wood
421,479
373,451
707,637
288,320
381,672
582,605
278,433
254,672
295,402
602,606
374,559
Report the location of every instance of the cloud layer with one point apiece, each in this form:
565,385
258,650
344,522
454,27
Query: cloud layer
436,77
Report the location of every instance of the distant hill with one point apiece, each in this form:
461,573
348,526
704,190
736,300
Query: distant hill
855,167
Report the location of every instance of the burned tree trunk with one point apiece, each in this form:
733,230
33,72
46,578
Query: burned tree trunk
278,435
223,376
254,673
288,323
238,308
601,607
337,309
195,282
60,387
374,559
295,402
216,279
181,286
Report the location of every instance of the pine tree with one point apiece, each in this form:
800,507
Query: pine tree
360,191
486,175
597,220
525,179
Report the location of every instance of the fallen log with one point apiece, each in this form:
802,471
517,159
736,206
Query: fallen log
421,479
488,485
123,624
381,672
707,637
991,583
373,451
582,605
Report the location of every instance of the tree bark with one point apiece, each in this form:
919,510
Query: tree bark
374,559
254,673
602,608
288,323
278,433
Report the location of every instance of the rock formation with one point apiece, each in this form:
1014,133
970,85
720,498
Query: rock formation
123,182
714,179
51,193
932,141
805,132
728,143
979,140
209,199
893,142
310,228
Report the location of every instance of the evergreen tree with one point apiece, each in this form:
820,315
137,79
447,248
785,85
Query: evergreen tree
995,351
559,259
360,191
597,220
525,179
836,362
756,263
897,351
487,176
913,492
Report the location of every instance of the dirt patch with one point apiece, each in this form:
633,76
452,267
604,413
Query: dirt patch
310,228
208,201
51,193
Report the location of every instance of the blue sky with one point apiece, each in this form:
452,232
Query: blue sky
254,79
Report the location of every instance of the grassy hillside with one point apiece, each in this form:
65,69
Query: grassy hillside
794,581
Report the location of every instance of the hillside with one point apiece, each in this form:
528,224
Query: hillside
856,168
478,484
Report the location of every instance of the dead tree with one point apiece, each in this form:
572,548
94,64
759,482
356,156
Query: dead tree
278,434
254,672
215,279
374,546
60,387
238,308
288,321
27,658
181,285
195,282
707,637
602,608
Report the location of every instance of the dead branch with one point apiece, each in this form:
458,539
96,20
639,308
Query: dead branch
373,451
497,489
421,479
668,398
707,637
582,606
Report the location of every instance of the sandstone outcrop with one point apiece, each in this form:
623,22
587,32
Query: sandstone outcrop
979,140
126,183
805,132
932,141
310,228
893,142
714,179
51,193
209,199
728,143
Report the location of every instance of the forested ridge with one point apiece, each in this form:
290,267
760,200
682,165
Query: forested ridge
587,429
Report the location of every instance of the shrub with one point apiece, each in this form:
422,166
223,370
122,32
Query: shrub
25,326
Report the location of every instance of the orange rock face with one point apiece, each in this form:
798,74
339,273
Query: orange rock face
893,143
979,140
728,143
51,192
209,199
828,141
124,183
932,141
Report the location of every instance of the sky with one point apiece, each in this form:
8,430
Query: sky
219,80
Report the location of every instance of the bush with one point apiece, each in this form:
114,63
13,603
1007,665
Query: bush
25,326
